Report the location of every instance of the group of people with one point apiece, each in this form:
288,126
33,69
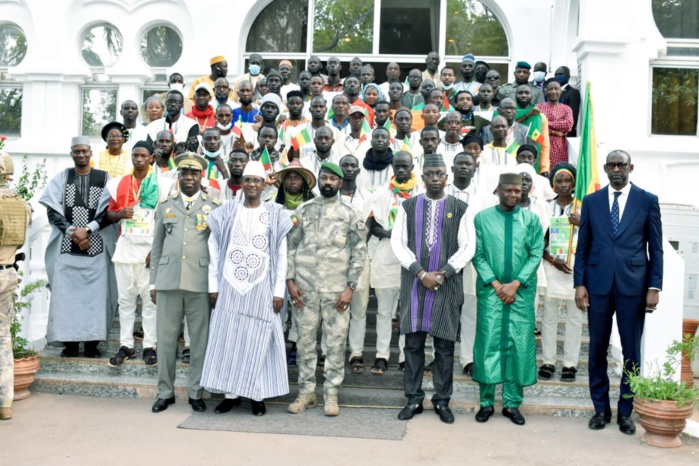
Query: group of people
260,207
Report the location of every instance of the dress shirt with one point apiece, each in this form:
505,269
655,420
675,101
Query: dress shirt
622,198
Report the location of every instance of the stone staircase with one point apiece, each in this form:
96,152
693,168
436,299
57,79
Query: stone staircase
92,377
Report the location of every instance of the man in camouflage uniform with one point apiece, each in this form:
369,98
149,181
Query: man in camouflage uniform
327,253
509,90
14,218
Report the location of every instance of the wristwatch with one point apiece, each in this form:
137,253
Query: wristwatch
89,231
352,285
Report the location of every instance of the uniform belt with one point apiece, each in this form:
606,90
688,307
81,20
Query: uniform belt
3,267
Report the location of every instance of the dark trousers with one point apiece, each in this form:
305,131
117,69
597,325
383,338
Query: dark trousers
442,369
630,316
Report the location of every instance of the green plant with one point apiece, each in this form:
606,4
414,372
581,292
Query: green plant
20,345
31,181
662,385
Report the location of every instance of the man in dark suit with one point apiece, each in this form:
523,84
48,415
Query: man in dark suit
618,268
570,96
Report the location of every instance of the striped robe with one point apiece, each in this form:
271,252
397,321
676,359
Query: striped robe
246,353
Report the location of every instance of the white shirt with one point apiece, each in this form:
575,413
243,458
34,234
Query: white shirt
184,198
622,198
466,240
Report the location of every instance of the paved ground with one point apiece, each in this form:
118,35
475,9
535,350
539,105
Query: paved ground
55,429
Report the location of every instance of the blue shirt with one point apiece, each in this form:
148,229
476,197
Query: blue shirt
248,117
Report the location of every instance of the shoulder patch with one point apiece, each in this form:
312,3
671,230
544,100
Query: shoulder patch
294,220
361,226
203,197
216,201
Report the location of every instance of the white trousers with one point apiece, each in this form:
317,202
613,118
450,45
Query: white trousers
133,280
357,329
468,329
185,333
573,332
387,304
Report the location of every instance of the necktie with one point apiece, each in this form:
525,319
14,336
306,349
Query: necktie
189,201
615,212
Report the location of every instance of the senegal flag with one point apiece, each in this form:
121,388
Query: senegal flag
587,180
366,129
407,147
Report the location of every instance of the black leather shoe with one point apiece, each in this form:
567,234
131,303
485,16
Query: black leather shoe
484,413
410,410
226,405
444,413
600,420
197,405
514,415
258,408
161,404
626,425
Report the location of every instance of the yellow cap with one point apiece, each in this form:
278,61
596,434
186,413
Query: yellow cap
218,59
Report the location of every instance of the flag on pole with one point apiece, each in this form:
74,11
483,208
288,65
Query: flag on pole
512,148
407,147
366,129
282,133
214,176
446,106
587,180
265,160
237,128
389,126
536,135
301,139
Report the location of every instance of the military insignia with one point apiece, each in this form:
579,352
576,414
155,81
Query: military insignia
450,215
216,201
201,222
168,210
295,220
361,225
170,215
206,209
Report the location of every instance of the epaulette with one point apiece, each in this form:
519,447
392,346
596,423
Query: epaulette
164,201
216,201
203,197
175,196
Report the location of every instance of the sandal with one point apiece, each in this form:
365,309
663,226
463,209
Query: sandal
185,356
124,354
150,357
357,364
321,363
380,366
546,371
568,374
537,332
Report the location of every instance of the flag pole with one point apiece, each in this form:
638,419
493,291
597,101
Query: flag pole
572,232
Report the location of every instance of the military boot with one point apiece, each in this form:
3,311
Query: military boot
302,403
5,414
331,407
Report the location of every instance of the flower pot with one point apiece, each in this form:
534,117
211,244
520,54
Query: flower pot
663,421
25,373
688,326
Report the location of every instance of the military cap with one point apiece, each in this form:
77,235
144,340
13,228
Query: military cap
332,168
523,64
191,160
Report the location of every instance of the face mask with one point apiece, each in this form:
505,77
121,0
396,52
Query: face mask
176,86
224,127
446,88
539,76
211,155
562,80
254,70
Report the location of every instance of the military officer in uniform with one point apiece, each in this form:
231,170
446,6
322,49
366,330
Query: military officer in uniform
327,253
509,90
179,279
14,218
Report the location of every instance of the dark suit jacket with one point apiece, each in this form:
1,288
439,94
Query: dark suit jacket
520,134
633,259
571,97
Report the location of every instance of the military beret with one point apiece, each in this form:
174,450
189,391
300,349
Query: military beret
332,168
481,62
523,64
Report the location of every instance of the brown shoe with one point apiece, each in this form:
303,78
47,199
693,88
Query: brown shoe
302,403
5,414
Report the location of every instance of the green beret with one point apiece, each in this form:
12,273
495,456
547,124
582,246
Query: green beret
332,168
523,64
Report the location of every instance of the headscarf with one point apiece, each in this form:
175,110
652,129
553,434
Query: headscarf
375,86
563,167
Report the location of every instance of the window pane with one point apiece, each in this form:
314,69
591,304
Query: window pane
99,108
409,28
102,45
683,51
281,27
10,110
675,101
161,47
471,27
343,26
677,19
13,45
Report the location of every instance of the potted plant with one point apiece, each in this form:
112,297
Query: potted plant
663,404
26,359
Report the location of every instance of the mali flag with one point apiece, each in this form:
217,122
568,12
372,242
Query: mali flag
301,139
237,128
587,176
407,147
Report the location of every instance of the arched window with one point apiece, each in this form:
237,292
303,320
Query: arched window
161,46
102,45
378,31
13,45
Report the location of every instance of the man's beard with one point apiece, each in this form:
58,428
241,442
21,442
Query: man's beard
245,102
328,191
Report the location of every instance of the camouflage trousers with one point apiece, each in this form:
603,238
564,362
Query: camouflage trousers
321,306
8,283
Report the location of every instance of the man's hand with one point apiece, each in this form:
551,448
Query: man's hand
213,297
152,296
79,234
344,299
84,244
534,111
126,213
431,282
582,299
277,304
652,300
296,294
561,265
221,165
508,291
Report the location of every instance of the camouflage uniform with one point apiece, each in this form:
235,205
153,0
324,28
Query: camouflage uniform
509,91
327,249
14,218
